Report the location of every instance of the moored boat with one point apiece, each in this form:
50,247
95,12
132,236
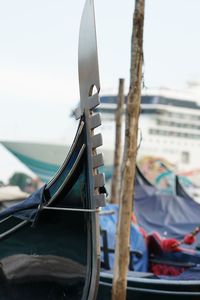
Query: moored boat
157,269
49,243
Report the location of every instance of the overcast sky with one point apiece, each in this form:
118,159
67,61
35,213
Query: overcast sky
38,58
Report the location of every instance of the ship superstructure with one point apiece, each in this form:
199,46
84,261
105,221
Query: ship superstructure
169,128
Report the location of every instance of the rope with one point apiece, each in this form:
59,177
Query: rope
188,238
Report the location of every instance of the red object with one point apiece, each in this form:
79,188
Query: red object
189,239
143,232
170,245
161,269
133,218
158,245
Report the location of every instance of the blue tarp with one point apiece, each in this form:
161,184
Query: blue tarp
109,222
26,209
190,274
170,215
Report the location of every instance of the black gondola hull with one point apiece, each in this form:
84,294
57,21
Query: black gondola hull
141,288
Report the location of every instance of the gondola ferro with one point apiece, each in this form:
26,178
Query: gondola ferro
49,244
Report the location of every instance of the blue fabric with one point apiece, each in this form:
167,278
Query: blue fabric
26,209
184,256
169,215
109,222
190,274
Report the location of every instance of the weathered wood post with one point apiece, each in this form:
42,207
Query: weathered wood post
116,178
132,115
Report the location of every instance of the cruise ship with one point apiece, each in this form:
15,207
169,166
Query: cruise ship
169,130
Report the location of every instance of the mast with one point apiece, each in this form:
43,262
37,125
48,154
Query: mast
116,178
132,116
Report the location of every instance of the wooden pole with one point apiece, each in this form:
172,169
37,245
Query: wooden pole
116,178
132,115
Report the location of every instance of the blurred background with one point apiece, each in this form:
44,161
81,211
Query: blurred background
39,82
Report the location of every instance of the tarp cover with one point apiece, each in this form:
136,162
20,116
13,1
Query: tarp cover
190,274
170,215
26,209
109,222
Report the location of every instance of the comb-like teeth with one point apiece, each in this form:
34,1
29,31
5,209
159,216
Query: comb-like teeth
77,113
99,180
93,101
100,200
95,121
97,161
96,140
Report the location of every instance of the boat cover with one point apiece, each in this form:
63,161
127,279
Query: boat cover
26,209
190,274
170,215
108,221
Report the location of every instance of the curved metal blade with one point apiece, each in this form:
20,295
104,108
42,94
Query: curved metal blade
88,57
